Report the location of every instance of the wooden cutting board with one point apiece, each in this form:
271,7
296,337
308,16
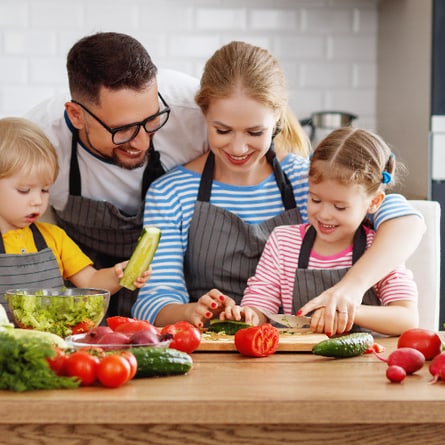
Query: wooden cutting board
290,340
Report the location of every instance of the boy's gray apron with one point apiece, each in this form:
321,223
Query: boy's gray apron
223,251
39,269
104,233
309,283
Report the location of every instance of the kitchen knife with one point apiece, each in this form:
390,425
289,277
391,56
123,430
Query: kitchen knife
290,321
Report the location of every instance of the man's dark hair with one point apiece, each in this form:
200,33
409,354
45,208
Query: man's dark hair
110,60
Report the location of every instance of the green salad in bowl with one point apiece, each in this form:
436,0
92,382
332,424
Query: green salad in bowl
62,311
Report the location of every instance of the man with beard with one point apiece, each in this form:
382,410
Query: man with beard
124,125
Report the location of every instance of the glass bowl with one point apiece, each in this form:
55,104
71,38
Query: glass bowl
62,311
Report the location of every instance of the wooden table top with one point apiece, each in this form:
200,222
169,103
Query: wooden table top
227,388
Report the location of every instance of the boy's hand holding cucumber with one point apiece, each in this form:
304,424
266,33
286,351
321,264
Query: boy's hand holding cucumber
137,271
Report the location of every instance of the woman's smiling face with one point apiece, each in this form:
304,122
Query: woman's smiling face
239,132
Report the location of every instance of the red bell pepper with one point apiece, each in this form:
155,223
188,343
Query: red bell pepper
257,341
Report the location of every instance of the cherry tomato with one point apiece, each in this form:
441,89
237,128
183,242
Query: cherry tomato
186,337
257,341
57,362
82,365
425,341
136,326
113,370
83,326
132,361
114,322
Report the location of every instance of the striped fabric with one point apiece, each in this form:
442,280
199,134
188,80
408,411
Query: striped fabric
272,285
170,203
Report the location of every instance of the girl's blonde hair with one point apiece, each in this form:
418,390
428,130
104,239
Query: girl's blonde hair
354,156
259,75
25,149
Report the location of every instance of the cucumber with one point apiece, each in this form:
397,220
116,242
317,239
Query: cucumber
142,256
229,327
349,345
45,337
158,362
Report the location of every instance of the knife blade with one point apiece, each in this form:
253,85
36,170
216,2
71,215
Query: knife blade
290,321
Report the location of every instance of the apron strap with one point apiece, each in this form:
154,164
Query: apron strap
152,170
283,183
358,247
285,186
39,241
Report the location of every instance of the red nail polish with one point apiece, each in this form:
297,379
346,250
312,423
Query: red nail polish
208,314
221,297
299,312
213,305
200,325
328,334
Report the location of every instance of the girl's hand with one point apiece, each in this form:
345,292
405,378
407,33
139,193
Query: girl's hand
140,281
339,308
239,313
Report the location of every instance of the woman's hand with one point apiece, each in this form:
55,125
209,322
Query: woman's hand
210,305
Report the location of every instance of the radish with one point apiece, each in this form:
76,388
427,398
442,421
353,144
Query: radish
410,359
437,367
395,373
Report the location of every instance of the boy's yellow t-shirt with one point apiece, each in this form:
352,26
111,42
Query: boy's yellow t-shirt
68,254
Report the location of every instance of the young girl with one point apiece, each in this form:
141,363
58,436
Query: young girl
348,175
34,254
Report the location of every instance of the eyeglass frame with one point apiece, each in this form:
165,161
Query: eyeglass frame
140,124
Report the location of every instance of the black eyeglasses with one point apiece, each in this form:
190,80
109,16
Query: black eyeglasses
124,134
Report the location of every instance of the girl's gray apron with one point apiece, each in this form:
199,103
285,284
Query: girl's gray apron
223,251
309,283
105,234
39,269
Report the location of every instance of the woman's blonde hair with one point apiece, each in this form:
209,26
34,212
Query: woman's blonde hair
259,75
354,156
25,149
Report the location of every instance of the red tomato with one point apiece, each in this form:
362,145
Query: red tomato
83,326
114,322
136,326
57,362
132,361
186,337
82,365
425,341
257,341
114,370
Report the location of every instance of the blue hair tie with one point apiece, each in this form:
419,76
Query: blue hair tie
386,177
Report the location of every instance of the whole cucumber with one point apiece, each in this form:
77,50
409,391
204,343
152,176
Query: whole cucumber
157,362
344,346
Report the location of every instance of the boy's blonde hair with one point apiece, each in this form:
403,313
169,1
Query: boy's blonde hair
25,149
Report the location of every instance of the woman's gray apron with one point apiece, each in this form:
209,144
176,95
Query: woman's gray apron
102,231
39,269
309,283
223,251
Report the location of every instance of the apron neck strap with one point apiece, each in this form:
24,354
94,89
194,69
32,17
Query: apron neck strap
358,247
283,183
152,170
39,241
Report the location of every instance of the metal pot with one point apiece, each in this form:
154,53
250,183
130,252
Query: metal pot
322,123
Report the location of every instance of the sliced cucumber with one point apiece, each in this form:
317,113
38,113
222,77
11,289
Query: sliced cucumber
142,256
229,327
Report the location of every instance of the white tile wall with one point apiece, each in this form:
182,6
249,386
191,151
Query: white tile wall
326,47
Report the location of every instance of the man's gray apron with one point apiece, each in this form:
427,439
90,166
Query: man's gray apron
309,283
39,269
223,251
107,235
